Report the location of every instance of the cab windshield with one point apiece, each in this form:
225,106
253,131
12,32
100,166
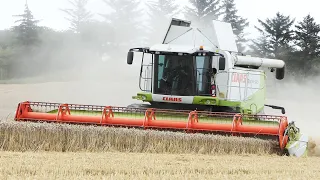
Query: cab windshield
182,75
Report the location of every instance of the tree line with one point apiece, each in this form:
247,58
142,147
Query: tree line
28,49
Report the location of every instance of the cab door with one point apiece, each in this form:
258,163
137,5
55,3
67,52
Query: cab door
203,66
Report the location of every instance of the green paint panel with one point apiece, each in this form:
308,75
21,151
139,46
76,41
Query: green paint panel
202,100
143,96
255,103
174,117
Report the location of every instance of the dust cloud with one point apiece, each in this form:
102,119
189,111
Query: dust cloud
314,147
73,68
301,102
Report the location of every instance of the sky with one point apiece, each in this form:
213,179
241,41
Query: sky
50,15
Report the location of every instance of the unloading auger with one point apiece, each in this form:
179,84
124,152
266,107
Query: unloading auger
194,81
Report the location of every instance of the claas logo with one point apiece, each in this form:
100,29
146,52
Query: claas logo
172,99
242,78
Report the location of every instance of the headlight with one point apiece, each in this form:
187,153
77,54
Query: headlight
209,102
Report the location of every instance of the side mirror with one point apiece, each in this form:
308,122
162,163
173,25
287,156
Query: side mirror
130,57
280,73
222,63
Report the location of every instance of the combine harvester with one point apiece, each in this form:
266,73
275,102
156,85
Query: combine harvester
194,81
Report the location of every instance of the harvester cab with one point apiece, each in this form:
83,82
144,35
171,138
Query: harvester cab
194,81
200,68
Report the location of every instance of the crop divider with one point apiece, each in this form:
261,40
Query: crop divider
106,114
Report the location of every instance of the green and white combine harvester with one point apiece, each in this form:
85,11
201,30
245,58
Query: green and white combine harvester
194,81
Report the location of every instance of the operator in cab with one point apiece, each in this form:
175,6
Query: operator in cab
213,83
183,74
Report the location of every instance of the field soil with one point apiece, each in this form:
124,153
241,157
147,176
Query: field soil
51,165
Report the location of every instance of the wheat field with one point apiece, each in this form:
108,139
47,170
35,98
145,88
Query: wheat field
60,151
29,136
116,165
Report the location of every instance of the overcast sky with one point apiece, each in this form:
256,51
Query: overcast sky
48,10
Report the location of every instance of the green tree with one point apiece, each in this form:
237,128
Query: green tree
202,11
162,7
78,15
276,35
159,13
27,30
6,53
237,22
125,22
260,47
96,36
26,45
307,41
307,37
